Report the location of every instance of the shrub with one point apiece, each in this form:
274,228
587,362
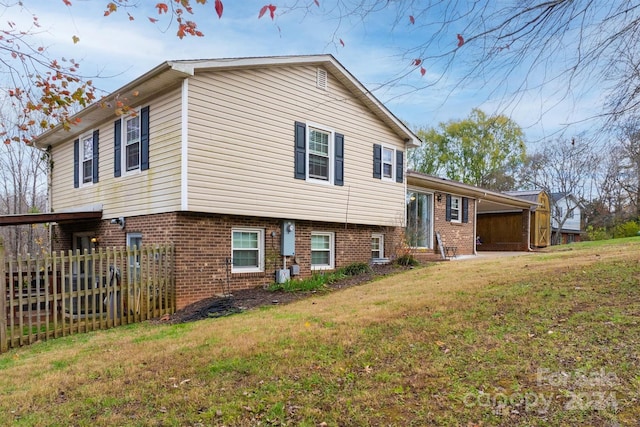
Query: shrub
407,260
356,268
627,229
599,233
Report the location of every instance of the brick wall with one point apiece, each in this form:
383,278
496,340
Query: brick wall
460,234
203,247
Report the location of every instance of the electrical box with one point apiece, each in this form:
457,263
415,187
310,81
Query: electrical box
295,269
288,244
282,276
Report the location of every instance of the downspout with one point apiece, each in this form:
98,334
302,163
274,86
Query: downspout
475,225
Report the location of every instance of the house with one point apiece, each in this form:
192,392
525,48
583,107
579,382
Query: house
566,220
445,213
256,169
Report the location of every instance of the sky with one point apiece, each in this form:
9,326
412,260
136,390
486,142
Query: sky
377,51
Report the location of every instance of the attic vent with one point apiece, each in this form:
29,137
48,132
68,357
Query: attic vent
321,79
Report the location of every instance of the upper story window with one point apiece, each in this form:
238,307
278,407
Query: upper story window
388,163
131,142
85,159
319,154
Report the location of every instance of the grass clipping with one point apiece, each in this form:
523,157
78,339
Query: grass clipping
541,339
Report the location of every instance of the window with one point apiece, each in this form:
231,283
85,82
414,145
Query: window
131,143
85,159
322,249
388,163
319,154
247,250
455,209
419,220
377,245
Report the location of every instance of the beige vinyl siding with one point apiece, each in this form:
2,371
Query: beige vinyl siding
156,190
241,148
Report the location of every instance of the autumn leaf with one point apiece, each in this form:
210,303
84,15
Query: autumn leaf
219,8
417,62
460,40
272,11
162,8
153,20
75,39
341,42
271,8
317,3
422,71
66,2
412,19
263,9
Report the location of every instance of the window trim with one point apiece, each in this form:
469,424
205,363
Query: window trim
260,249
133,115
331,155
457,209
380,237
332,246
391,162
82,179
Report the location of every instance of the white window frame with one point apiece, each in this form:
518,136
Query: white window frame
457,209
126,142
259,249
330,157
86,180
330,250
392,163
380,238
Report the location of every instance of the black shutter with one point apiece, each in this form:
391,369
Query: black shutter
377,161
96,139
300,157
339,159
117,147
76,163
448,209
465,209
144,138
399,166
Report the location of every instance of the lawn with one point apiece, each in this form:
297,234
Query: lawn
551,338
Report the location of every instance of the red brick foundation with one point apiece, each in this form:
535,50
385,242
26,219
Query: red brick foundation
203,247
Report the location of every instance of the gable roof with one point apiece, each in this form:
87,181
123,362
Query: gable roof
171,73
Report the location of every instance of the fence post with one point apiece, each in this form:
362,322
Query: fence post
4,345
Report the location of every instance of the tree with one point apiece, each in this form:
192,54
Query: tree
561,166
479,150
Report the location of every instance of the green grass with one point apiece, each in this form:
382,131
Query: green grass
546,339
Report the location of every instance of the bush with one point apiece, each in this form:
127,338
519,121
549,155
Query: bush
356,268
599,233
627,229
407,260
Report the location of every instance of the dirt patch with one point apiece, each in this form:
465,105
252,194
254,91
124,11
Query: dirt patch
248,299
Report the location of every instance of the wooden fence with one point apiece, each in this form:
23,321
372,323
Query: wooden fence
69,293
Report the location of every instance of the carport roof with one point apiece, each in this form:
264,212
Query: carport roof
489,200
